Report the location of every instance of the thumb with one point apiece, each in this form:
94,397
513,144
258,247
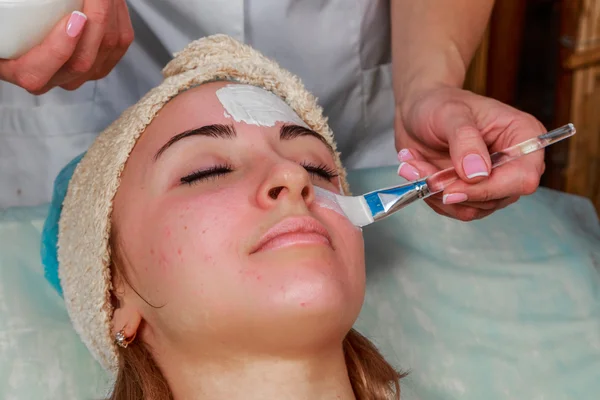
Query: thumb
468,151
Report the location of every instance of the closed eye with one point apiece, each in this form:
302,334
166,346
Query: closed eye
322,171
210,173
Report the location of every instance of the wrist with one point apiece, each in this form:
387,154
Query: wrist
414,91
442,69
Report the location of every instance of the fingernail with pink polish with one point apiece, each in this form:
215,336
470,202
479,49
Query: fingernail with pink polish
454,198
404,155
474,166
409,172
76,23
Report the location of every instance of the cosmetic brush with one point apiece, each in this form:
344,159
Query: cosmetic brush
379,204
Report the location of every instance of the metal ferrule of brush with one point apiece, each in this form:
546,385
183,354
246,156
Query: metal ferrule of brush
384,202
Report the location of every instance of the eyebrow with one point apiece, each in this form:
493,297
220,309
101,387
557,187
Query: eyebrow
217,131
289,132
220,131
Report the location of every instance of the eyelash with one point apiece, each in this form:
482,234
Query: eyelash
321,171
210,173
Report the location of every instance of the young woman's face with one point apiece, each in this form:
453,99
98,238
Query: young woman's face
219,230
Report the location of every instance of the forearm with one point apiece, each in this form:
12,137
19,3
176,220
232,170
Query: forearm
433,42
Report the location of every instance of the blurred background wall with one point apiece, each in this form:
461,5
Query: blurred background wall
543,57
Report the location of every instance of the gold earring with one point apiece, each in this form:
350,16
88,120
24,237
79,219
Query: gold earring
123,341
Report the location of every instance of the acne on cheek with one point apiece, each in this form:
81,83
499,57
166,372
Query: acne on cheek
165,255
176,244
249,274
163,262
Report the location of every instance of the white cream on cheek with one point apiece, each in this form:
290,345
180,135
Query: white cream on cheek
256,106
326,199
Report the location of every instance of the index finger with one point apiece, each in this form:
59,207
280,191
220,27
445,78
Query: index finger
519,177
84,57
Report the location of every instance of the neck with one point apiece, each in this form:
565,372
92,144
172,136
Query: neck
321,375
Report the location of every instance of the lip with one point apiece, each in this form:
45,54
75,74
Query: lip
294,231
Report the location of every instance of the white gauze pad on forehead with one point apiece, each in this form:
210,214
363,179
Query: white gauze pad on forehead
256,106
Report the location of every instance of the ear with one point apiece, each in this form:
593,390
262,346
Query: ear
127,319
126,315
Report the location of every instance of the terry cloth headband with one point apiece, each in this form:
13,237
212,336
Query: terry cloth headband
75,241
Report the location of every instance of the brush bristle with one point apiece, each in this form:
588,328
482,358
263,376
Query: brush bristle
356,209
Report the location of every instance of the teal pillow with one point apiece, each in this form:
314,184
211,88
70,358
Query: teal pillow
503,308
41,356
507,307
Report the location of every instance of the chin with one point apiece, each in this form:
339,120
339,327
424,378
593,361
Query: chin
310,277
319,323
315,291
311,293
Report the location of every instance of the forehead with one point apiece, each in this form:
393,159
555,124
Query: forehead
194,107
218,103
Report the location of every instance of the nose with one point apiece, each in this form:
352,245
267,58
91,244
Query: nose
285,182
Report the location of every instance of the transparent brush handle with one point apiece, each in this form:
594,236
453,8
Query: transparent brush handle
442,179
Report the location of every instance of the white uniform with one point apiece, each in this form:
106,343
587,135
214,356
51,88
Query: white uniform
339,48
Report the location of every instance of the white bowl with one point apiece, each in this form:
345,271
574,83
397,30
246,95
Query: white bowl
25,23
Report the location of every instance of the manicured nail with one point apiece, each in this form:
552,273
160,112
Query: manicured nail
76,23
408,172
474,166
454,198
404,155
